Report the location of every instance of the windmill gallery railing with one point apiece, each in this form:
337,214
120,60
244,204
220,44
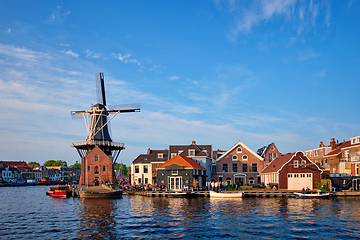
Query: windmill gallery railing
99,143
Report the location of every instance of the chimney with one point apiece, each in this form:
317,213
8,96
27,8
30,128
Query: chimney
193,142
148,151
321,144
332,144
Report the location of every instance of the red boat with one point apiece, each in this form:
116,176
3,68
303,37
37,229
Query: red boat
59,192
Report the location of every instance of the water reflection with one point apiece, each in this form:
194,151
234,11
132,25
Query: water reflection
97,219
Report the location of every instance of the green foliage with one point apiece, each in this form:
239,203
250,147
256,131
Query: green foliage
117,166
34,164
53,163
76,165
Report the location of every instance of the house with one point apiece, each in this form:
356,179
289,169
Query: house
268,153
293,171
143,168
180,171
215,155
199,153
239,165
318,155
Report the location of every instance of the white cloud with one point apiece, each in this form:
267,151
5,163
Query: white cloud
173,78
57,17
90,54
71,53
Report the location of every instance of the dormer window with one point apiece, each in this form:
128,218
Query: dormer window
239,150
160,155
191,152
180,151
173,155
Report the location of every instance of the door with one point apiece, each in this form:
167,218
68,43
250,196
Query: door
174,183
298,181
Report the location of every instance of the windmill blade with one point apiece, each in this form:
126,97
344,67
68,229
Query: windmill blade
135,107
100,88
78,114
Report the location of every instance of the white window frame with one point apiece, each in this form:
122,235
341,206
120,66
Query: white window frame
160,155
191,152
245,157
296,163
234,158
237,150
174,172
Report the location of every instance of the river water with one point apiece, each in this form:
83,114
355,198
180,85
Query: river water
28,213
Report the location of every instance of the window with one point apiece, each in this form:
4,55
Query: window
160,155
205,152
234,167
244,167
296,164
270,157
96,170
234,158
180,151
225,167
274,156
146,169
88,168
96,158
173,155
251,180
191,152
245,158
239,150
303,163
136,169
146,181
254,167
104,168
174,172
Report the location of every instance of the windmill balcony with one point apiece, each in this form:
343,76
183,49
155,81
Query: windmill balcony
99,143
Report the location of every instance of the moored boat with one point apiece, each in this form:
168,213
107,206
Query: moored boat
181,194
102,194
50,182
312,195
59,192
226,194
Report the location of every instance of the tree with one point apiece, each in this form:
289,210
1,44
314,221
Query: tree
76,165
49,163
53,163
117,166
34,164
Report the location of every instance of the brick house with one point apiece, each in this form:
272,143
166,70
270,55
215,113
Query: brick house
180,171
293,171
96,168
268,153
240,165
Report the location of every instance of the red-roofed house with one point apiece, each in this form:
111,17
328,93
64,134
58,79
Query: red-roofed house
180,171
293,171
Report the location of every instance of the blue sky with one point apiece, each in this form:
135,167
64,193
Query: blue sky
215,72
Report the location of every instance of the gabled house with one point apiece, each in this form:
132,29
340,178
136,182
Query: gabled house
268,153
338,166
239,165
143,168
293,171
180,171
199,153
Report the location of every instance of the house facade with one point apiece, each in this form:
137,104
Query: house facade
268,153
143,168
293,171
180,171
96,168
239,165
199,153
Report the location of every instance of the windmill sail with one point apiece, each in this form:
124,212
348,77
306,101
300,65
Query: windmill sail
100,88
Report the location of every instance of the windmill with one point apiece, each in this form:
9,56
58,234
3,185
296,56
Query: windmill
97,125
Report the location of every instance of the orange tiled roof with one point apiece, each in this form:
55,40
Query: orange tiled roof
183,161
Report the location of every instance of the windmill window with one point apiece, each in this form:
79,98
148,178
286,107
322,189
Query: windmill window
96,158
